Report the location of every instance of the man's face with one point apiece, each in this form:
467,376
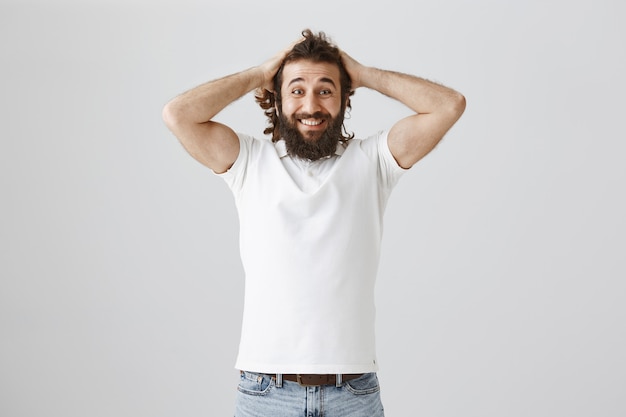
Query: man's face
311,111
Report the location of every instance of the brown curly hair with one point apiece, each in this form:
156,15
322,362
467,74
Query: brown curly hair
317,48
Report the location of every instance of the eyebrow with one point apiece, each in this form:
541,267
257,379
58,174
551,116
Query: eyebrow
323,79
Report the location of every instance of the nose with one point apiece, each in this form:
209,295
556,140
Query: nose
311,104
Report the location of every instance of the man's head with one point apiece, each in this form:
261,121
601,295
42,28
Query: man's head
312,90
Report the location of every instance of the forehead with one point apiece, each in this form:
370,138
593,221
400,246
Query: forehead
310,72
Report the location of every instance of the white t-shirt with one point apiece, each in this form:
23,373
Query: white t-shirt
310,238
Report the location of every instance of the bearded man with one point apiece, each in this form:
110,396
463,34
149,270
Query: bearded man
310,204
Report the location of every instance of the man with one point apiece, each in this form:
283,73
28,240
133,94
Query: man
310,204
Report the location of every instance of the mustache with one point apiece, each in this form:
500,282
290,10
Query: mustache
316,115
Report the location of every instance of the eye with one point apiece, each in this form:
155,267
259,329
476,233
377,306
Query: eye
297,91
325,92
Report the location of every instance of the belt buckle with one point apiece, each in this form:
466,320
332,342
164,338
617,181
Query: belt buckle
312,380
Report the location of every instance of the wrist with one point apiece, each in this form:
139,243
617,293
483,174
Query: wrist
256,77
367,77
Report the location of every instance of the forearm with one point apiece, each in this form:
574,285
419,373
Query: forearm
202,103
420,95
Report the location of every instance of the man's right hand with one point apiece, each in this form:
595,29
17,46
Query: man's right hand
270,67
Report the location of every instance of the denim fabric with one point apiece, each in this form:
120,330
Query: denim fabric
258,396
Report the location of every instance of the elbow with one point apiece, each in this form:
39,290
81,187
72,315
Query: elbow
457,104
452,108
176,114
171,114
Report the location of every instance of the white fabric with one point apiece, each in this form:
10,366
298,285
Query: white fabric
310,252
308,175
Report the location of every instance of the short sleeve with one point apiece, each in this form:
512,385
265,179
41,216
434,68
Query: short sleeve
235,175
377,147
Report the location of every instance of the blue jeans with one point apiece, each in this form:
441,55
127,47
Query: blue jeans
258,396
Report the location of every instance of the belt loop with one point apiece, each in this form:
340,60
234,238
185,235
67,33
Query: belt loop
338,380
279,380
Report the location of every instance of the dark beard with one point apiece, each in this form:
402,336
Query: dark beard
311,148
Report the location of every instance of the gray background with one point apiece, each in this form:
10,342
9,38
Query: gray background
501,289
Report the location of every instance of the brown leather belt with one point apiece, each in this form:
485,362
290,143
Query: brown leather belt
313,380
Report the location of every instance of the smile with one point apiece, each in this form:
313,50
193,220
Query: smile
312,122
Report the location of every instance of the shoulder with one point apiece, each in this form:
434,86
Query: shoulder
250,148
376,148
373,145
251,145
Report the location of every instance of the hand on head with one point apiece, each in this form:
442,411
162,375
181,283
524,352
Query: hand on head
353,68
270,67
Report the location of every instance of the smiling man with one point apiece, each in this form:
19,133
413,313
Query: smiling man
311,109
310,204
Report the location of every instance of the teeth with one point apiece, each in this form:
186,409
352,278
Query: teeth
314,122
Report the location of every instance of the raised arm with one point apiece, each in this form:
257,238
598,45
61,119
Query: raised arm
437,108
189,116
